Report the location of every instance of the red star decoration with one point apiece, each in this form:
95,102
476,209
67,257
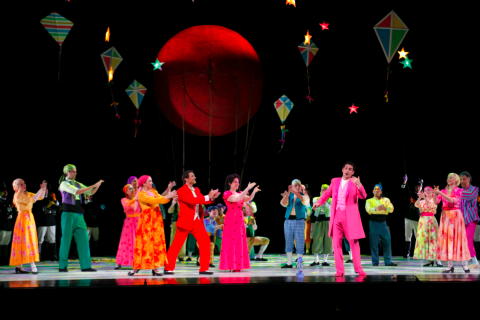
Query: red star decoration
324,25
353,108
309,99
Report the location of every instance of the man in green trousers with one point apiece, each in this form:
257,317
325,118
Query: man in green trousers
73,222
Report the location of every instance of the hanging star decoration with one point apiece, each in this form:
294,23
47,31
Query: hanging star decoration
407,63
353,108
324,25
402,54
107,35
157,65
291,2
307,38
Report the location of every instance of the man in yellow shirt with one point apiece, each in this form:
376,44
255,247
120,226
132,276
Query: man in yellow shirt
378,209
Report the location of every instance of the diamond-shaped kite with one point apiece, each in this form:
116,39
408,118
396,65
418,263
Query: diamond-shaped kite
283,106
390,32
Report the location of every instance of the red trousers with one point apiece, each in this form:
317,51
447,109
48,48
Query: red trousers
203,241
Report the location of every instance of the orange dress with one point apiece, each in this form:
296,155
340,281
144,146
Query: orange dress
150,248
25,241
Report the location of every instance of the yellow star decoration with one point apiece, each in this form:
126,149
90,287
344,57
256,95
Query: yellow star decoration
402,54
307,38
292,2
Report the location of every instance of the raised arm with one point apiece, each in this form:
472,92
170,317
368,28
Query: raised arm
158,199
185,195
324,197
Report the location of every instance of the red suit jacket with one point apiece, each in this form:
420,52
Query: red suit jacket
187,203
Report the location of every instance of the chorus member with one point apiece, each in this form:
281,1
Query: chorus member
452,237
470,213
296,203
25,241
73,221
150,247
378,207
132,210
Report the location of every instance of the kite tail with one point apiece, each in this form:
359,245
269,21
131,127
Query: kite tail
283,136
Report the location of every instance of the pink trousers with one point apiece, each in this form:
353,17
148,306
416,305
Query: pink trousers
338,235
470,229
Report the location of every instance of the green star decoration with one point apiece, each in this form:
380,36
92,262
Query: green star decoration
407,63
157,65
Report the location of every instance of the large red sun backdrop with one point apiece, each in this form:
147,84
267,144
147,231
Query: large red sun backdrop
211,81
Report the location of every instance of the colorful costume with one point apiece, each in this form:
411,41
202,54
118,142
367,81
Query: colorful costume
322,243
173,210
25,241
73,225
294,226
190,220
234,254
126,246
150,248
452,238
426,246
379,230
345,220
470,214
7,221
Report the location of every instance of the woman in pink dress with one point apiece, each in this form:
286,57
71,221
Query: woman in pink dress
127,239
452,237
234,254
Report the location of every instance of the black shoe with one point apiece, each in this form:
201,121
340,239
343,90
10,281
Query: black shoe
375,264
156,274
439,265
391,264
63,270
325,264
181,260
36,272
449,270
188,259
205,272
289,266
20,270
118,267
349,261
132,273
313,264
212,265
261,259
89,270
430,264
167,272
466,270
198,264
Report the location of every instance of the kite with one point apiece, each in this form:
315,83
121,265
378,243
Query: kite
136,91
283,106
308,52
111,59
390,31
58,27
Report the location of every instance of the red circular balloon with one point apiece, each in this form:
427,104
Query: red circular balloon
211,81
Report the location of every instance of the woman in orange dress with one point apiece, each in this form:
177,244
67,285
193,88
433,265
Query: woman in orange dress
150,249
25,241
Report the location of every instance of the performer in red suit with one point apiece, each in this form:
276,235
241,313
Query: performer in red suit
190,220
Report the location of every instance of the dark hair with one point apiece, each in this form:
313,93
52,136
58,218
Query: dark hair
350,163
186,174
230,179
465,174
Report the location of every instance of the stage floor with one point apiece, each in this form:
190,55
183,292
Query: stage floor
186,273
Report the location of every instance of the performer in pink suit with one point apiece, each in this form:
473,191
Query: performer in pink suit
127,239
345,217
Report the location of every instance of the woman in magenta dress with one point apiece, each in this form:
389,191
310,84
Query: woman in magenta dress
127,239
234,254
452,237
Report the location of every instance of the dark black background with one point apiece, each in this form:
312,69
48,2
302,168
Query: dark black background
427,130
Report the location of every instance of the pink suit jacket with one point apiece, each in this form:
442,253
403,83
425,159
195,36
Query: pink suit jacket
353,226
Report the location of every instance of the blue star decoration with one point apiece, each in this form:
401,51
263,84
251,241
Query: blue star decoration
157,65
407,63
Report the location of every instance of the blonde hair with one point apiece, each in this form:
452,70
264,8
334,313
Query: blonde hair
457,177
15,184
